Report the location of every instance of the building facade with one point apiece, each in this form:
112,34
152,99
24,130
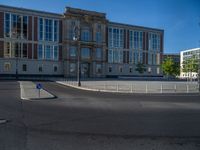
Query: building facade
42,43
90,46
187,54
129,45
30,42
174,57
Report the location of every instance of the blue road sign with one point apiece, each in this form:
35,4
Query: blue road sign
38,86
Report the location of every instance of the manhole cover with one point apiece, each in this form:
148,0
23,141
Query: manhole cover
2,121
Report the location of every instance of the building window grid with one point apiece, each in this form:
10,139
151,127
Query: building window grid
116,37
98,53
16,25
48,52
7,50
7,25
72,51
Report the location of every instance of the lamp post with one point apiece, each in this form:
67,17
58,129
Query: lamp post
17,68
199,71
76,37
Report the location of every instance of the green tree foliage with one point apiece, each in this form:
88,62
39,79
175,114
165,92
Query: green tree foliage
141,68
170,68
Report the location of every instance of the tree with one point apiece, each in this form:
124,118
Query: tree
141,68
170,68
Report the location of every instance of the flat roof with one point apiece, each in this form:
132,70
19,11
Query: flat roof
83,11
188,50
31,10
134,26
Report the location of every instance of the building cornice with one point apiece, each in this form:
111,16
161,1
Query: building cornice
30,12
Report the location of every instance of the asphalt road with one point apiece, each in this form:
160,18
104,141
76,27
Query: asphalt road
81,119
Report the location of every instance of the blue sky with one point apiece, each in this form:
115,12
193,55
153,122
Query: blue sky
179,18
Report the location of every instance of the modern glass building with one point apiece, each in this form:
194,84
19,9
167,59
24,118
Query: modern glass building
187,54
38,43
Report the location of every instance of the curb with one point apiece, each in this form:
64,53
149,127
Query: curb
45,98
106,91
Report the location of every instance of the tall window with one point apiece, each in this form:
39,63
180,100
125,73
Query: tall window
110,56
116,37
40,52
25,27
136,57
56,30
7,50
154,42
131,39
55,53
72,51
120,56
136,38
7,25
16,26
110,38
48,30
140,40
48,52
98,53
98,34
85,34
70,30
41,29
130,56
85,53
121,37
25,51
115,56
16,48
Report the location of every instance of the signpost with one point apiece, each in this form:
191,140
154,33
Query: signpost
39,87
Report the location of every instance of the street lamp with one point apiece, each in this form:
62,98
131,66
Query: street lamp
76,37
199,70
17,68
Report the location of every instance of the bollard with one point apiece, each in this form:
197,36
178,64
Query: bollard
146,89
117,87
161,89
187,88
131,88
175,88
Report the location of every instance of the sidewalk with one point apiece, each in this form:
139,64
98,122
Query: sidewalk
29,91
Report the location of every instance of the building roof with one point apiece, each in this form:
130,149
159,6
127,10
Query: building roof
86,12
134,26
188,50
32,12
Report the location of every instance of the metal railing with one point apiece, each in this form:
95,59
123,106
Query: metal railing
138,87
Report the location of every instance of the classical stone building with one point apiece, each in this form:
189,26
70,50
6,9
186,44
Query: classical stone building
91,45
38,43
